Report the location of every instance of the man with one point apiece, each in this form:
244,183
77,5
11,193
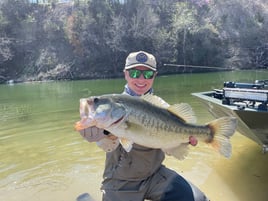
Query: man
139,174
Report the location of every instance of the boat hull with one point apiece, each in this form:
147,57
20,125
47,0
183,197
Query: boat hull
252,123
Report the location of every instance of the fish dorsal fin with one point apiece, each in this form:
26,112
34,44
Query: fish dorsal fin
183,111
126,144
155,100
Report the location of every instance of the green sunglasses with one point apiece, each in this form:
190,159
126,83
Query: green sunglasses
135,73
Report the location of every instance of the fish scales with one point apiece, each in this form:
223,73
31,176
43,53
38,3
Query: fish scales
151,122
173,127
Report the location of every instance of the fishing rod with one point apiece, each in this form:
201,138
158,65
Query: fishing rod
192,66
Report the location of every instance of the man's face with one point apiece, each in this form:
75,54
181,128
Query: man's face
139,85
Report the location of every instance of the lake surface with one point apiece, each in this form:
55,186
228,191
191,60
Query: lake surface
43,158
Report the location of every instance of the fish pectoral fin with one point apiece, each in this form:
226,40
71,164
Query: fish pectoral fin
179,152
126,144
183,111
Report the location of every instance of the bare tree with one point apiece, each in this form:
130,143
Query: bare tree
5,50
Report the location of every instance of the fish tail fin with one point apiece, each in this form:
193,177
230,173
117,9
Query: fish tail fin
222,129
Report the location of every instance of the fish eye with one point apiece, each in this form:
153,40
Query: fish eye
96,100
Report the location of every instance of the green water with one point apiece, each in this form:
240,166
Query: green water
43,158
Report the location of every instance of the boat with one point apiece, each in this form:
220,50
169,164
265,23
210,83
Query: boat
248,102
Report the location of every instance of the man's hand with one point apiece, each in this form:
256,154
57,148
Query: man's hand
193,141
93,134
105,140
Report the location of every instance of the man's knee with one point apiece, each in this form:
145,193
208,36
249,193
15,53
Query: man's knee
198,195
178,189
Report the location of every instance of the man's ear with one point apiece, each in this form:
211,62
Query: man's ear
125,73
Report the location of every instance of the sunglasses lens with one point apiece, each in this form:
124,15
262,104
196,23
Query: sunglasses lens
148,74
135,73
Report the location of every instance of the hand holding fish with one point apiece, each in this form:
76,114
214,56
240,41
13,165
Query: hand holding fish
193,141
92,134
107,142
151,122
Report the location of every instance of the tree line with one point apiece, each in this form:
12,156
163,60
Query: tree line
87,39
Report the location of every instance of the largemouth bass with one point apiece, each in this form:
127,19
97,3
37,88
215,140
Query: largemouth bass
151,122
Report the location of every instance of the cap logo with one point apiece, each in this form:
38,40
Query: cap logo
141,57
